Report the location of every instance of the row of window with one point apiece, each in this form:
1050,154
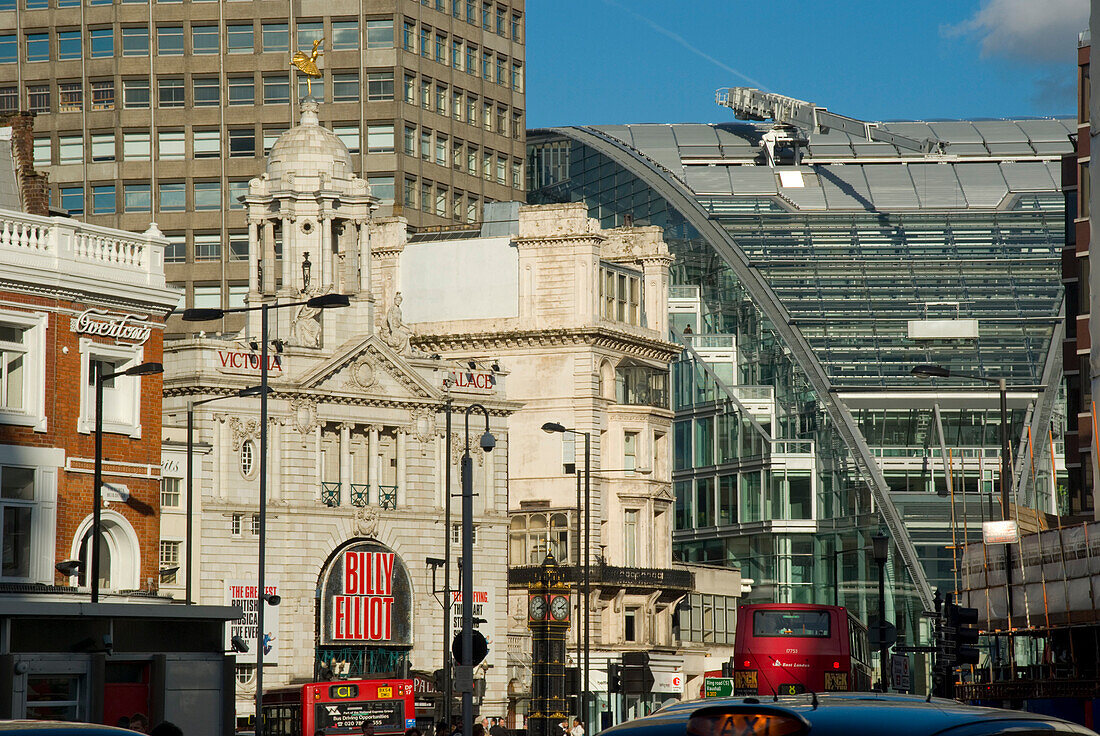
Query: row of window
173,196
461,55
436,199
171,144
205,39
440,149
463,107
44,4
205,92
498,19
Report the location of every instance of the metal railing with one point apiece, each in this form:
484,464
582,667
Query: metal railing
387,497
330,494
360,494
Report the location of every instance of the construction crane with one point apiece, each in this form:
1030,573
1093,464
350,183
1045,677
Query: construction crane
749,103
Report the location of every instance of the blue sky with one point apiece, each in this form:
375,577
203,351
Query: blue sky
660,61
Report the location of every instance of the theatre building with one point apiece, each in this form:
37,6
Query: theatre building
356,441
78,302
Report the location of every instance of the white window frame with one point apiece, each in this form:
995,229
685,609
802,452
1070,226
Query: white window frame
33,413
127,386
47,462
124,546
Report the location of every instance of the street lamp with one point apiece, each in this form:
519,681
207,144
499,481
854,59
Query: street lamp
880,550
250,391
551,428
488,442
937,371
324,301
142,369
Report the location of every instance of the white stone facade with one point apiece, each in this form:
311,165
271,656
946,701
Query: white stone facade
355,431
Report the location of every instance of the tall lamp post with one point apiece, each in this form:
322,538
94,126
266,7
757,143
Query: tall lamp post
244,392
880,549
937,371
554,427
324,301
488,442
142,369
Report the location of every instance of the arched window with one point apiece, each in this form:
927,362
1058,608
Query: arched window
607,380
517,541
537,539
559,537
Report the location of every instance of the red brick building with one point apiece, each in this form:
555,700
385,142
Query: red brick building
75,299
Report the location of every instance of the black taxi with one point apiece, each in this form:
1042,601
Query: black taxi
840,714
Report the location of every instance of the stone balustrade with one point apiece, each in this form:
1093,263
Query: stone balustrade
61,244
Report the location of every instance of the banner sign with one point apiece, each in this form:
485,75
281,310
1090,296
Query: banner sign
367,597
130,327
478,381
482,609
243,593
1000,532
384,715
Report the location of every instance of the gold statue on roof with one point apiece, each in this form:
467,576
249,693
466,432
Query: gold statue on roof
308,64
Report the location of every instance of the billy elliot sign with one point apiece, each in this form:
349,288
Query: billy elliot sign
366,597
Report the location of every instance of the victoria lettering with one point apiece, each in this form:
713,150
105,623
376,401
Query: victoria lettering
248,361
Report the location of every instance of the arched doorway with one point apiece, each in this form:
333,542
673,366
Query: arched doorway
119,553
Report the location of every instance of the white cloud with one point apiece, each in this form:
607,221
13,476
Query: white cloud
1027,30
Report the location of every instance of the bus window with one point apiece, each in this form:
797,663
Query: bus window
813,624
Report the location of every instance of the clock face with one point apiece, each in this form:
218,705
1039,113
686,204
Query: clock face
536,608
559,607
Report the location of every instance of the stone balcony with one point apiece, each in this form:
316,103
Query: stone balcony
670,583
61,246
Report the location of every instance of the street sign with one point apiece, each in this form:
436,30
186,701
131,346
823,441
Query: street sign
899,673
717,687
889,630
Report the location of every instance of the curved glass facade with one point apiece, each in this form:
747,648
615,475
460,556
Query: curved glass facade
882,264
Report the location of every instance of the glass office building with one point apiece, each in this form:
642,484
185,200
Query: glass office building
806,288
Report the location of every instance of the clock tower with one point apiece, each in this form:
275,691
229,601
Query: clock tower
548,618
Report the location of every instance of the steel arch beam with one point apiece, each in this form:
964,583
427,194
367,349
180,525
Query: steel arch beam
676,193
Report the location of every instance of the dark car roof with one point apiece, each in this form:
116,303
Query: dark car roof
58,728
866,713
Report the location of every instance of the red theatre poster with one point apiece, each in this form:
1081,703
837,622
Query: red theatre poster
367,597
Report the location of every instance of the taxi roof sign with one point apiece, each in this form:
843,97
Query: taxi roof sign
746,720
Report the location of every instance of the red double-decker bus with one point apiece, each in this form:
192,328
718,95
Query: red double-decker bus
791,648
340,707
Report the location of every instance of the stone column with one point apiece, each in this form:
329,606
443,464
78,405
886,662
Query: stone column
220,489
402,445
364,256
373,471
270,265
345,464
288,258
254,285
274,449
318,466
328,272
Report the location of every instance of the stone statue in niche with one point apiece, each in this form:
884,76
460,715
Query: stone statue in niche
307,327
395,332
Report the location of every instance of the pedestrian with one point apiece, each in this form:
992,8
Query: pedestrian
578,729
442,729
498,728
139,722
367,728
166,728
479,730
563,728
414,731
123,722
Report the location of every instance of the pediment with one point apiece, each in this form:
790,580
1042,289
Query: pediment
369,366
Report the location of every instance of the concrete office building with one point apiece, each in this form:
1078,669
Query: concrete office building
165,110
814,271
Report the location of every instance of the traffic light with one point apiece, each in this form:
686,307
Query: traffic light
637,677
961,634
727,668
439,678
614,677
